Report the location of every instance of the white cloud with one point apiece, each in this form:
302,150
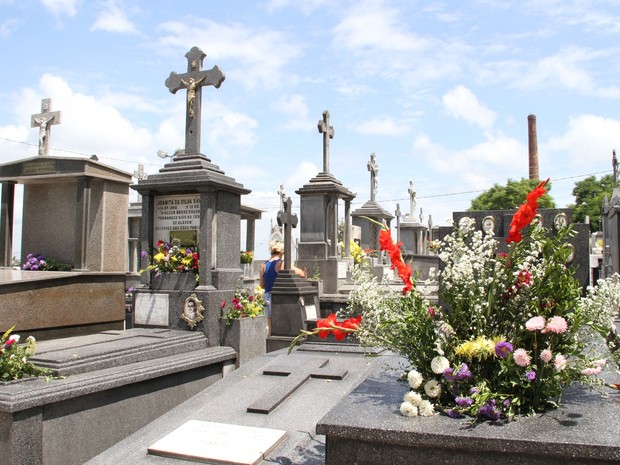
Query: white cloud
7,27
61,7
382,126
295,108
587,138
114,19
371,24
262,54
460,102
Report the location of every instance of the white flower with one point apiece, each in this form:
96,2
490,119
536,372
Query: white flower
31,339
413,398
426,409
415,379
14,337
432,388
408,409
439,365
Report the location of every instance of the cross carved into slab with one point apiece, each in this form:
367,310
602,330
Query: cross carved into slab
374,176
295,377
328,133
289,221
44,121
193,81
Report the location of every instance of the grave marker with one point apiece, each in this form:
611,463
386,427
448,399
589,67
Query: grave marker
218,443
193,80
296,376
44,121
328,133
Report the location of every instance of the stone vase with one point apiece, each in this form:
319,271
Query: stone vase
173,281
248,336
247,270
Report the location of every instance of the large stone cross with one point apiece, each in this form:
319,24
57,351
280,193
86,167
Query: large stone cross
328,133
374,176
44,121
295,376
193,81
289,221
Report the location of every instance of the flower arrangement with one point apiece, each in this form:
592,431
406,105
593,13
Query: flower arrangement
14,359
244,304
172,258
37,262
512,330
247,256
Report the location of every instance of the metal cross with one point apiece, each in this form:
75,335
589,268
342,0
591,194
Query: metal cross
295,377
374,176
43,121
193,81
328,133
289,221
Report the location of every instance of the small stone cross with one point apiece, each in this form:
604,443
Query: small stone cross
374,176
43,121
289,221
412,201
295,377
614,164
328,133
193,81
140,173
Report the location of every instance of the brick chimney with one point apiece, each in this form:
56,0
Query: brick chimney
532,139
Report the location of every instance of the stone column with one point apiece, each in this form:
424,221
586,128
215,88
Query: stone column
347,228
146,233
332,225
533,147
82,223
6,227
206,240
250,233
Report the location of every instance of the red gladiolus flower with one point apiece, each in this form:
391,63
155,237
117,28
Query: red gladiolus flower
325,325
393,250
525,214
340,330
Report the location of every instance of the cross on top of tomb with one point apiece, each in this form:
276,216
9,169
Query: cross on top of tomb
289,221
193,80
44,121
374,176
140,173
614,164
412,201
328,133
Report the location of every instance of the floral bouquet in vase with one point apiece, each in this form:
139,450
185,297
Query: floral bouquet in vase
512,331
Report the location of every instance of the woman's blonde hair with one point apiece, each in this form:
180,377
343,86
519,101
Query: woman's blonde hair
276,247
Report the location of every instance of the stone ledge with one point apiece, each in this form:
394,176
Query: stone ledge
367,426
23,396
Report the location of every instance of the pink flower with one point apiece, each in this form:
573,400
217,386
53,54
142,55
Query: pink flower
546,355
601,362
560,362
556,325
521,357
591,371
535,324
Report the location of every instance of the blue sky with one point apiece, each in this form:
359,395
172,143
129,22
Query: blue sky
439,91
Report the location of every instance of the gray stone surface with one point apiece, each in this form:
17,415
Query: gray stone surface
227,402
366,428
133,378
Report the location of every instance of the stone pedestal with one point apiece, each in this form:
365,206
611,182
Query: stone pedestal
248,336
293,302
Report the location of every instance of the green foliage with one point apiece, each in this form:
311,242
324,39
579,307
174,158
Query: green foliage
244,304
14,359
589,195
510,196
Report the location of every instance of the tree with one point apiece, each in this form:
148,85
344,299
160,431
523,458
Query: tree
510,196
589,195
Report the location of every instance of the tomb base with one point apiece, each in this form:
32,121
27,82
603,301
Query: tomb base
367,428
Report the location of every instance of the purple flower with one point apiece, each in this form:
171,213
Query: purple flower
464,401
473,391
448,374
143,254
462,373
530,375
453,413
503,348
489,411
